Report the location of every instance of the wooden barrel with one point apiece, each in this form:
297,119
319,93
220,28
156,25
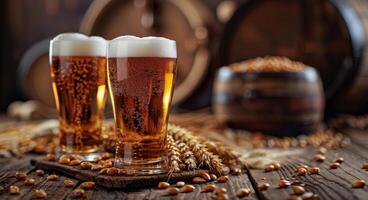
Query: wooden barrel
33,75
188,22
330,35
280,103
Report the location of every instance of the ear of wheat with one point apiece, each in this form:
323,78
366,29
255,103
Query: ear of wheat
187,156
173,154
229,156
200,151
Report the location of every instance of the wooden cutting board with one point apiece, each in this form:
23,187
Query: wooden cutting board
121,182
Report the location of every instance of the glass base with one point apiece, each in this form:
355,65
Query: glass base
150,168
89,155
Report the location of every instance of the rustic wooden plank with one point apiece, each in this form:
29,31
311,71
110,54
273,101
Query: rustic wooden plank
116,181
234,183
124,184
8,169
331,184
54,189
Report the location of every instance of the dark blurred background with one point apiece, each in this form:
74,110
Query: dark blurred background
330,35
24,23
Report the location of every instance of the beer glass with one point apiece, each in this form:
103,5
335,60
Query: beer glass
141,81
78,73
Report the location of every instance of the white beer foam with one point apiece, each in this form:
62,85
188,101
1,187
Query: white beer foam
132,46
77,44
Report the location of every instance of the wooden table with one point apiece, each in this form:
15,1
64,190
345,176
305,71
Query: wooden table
333,184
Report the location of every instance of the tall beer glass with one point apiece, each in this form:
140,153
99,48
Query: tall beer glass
78,73
141,80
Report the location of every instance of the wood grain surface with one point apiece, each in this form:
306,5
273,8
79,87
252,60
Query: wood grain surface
57,190
330,184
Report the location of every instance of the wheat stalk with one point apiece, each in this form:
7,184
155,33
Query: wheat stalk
187,156
173,154
228,155
205,157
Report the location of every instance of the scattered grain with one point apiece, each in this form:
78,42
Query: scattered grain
322,150
222,179
163,185
236,171
40,172
284,183
64,159
339,160
270,168
205,175
365,166
303,166
358,183
86,165
88,185
29,182
173,191
213,177
298,190
78,192
198,180
51,157
75,162
40,194
52,177
209,188
188,188
263,186
302,171
180,184
20,175
334,165
308,196
13,189
314,170
222,190
68,183
243,192
276,165
221,196
319,158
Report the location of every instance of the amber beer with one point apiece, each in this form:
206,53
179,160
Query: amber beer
141,80
78,72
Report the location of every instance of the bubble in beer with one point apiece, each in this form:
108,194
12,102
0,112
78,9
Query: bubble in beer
141,74
78,71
